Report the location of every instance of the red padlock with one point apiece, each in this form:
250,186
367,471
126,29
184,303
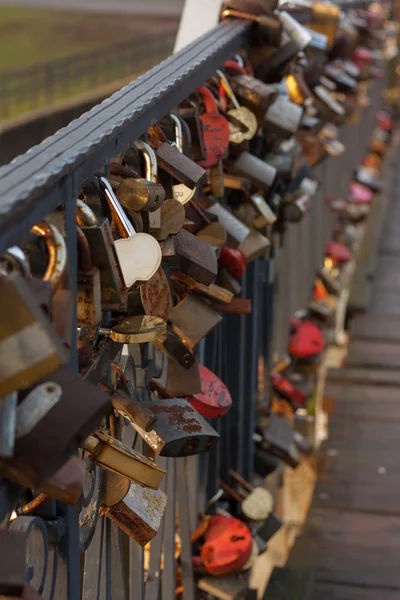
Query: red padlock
339,253
371,161
215,129
228,545
214,400
383,121
287,390
360,194
307,341
234,260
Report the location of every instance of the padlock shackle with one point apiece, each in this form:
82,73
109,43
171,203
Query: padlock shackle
150,160
209,101
226,86
85,217
178,131
57,251
115,205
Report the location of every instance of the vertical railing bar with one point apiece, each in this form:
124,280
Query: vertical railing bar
169,573
184,529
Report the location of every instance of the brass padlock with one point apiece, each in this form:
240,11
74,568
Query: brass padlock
180,430
29,346
252,92
192,319
52,422
111,454
139,513
254,245
114,294
325,20
134,411
212,291
143,194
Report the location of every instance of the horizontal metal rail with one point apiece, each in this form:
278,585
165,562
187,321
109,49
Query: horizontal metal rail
37,182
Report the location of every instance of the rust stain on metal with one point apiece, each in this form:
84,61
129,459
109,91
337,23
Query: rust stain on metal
178,417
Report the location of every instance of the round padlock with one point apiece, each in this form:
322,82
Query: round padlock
228,545
307,341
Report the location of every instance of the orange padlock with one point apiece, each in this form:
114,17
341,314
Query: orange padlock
228,545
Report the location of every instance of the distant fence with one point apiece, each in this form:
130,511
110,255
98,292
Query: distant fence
31,88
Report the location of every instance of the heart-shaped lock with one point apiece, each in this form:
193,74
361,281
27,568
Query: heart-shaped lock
214,400
228,545
360,194
215,129
139,254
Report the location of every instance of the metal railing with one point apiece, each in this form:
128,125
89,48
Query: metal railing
49,176
31,88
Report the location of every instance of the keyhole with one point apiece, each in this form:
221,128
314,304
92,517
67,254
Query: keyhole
236,538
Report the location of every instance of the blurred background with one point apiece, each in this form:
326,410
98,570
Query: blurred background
58,58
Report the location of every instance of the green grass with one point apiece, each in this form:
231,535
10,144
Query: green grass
31,36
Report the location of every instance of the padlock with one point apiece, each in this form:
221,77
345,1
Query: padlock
89,286
293,209
215,129
181,192
237,231
226,280
181,381
192,319
283,117
174,162
264,463
114,293
191,114
287,390
139,254
134,411
111,454
329,108
233,260
143,194
251,92
52,422
212,291
270,527
214,400
256,503
153,297
196,258
136,329
263,208
12,564
261,175
360,194
330,283
364,176
139,513
307,342
325,20
278,440
67,484
254,245
339,253
172,219
180,430
344,83
242,121
227,547
29,347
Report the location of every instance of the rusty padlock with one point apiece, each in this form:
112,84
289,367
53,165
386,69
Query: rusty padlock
215,129
89,285
180,430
